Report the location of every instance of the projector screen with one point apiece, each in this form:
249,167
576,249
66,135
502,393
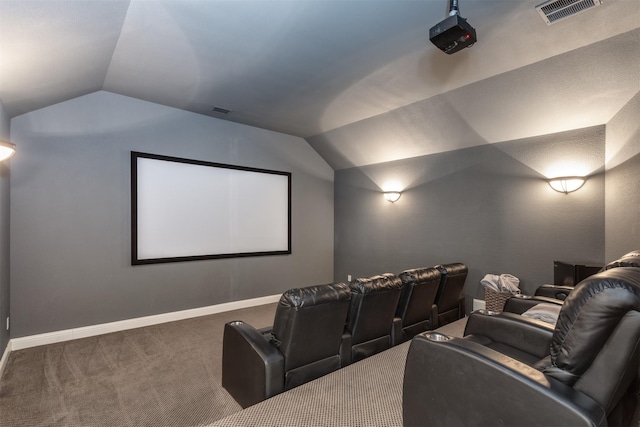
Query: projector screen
186,210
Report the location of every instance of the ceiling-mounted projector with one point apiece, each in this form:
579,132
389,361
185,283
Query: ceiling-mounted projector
454,33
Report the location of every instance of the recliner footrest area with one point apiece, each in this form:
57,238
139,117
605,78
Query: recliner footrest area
369,348
312,371
413,330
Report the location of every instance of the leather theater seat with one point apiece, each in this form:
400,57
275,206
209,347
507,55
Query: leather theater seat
370,322
303,344
416,311
450,297
509,370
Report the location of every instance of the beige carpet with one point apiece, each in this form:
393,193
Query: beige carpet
163,375
170,375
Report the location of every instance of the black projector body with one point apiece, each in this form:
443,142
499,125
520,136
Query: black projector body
452,34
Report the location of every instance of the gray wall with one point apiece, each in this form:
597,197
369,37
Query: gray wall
489,207
623,181
4,234
70,214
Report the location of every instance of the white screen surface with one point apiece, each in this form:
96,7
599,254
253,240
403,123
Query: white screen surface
196,210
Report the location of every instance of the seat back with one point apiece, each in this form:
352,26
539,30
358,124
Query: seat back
596,343
308,328
450,296
417,298
631,259
373,304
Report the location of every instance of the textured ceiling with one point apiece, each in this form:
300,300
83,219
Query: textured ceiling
358,78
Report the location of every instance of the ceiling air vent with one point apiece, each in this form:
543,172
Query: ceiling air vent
220,110
557,10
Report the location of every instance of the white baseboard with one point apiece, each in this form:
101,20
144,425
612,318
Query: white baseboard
5,357
123,325
478,304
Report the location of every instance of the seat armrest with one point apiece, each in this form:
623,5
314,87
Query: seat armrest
433,317
345,349
397,334
518,304
466,383
525,334
252,368
462,310
554,291
266,330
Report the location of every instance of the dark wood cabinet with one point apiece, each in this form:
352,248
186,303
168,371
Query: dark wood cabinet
567,274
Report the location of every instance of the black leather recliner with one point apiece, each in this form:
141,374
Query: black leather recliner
416,311
450,297
303,344
509,370
370,322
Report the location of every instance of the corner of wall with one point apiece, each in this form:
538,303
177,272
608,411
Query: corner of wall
622,178
5,123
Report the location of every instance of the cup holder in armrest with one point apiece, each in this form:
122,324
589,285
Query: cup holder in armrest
436,336
489,312
236,322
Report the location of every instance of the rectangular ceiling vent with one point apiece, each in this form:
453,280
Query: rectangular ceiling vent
220,110
556,10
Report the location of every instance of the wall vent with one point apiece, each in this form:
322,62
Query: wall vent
556,10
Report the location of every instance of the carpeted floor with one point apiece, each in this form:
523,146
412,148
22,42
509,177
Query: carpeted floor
162,375
170,375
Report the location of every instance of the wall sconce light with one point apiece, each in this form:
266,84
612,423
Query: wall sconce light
392,196
566,184
7,150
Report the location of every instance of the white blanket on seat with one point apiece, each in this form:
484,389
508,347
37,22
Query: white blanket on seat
544,311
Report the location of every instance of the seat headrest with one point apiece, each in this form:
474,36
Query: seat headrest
382,282
314,295
588,317
631,259
419,275
452,269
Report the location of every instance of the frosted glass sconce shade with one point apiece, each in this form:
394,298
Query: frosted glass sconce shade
7,150
392,196
566,184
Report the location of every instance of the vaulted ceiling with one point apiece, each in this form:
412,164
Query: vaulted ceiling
358,79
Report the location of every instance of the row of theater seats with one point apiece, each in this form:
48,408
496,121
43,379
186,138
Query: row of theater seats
509,369
319,329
